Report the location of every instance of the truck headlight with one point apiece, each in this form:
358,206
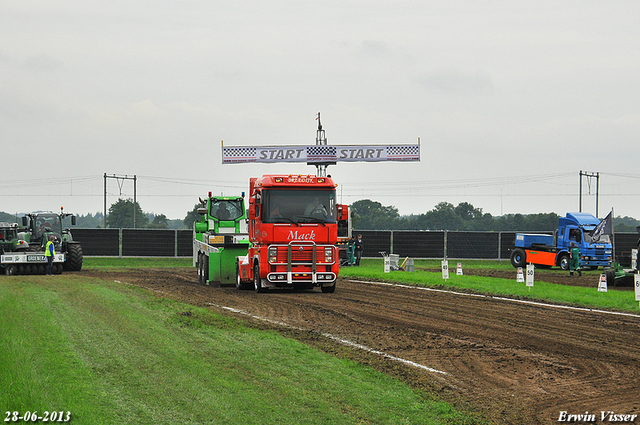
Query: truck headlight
273,254
328,254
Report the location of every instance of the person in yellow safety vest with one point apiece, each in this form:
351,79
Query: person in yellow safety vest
49,253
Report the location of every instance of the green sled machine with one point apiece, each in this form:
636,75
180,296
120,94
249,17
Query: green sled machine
219,237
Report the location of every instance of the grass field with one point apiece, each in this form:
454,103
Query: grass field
114,354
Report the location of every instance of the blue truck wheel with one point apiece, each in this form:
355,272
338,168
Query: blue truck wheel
563,262
518,258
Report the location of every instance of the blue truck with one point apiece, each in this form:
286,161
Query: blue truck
547,250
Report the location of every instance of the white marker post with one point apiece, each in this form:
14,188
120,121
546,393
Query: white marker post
459,269
602,285
636,284
530,275
634,259
445,269
520,276
387,264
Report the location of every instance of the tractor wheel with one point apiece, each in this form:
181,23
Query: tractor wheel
10,270
610,275
200,268
205,269
518,258
563,262
56,268
257,282
74,257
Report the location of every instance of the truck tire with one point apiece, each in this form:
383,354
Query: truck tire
257,282
563,261
329,289
74,257
518,258
10,270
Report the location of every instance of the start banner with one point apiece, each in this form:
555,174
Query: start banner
319,153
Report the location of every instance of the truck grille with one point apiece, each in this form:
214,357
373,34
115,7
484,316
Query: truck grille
298,256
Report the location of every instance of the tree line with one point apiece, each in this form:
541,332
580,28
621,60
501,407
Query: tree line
372,215
367,215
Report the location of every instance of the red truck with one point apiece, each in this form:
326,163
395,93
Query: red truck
293,230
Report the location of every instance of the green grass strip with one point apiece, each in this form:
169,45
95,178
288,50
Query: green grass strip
622,300
110,353
135,262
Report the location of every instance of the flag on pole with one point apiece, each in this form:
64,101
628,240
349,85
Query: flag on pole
604,228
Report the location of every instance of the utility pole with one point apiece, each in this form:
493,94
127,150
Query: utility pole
120,180
590,176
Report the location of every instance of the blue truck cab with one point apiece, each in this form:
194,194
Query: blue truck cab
553,250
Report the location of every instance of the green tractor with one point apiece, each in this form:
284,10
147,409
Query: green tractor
42,225
9,240
17,257
220,236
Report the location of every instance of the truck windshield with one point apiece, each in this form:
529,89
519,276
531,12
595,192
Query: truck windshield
226,209
298,206
588,238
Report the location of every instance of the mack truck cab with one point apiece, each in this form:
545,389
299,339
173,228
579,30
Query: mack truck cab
293,229
553,250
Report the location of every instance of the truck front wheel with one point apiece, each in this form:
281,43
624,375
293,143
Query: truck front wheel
257,282
518,258
563,262
328,289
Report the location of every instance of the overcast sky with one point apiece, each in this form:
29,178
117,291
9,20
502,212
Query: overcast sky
510,100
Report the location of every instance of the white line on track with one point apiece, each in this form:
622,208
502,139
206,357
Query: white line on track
498,298
335,338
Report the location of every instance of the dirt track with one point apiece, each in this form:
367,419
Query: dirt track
510,362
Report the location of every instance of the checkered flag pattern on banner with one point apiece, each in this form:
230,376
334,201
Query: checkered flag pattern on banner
403,153
321,153
238,154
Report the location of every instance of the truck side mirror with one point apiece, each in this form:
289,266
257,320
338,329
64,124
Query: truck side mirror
343,212
73,220
24,221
